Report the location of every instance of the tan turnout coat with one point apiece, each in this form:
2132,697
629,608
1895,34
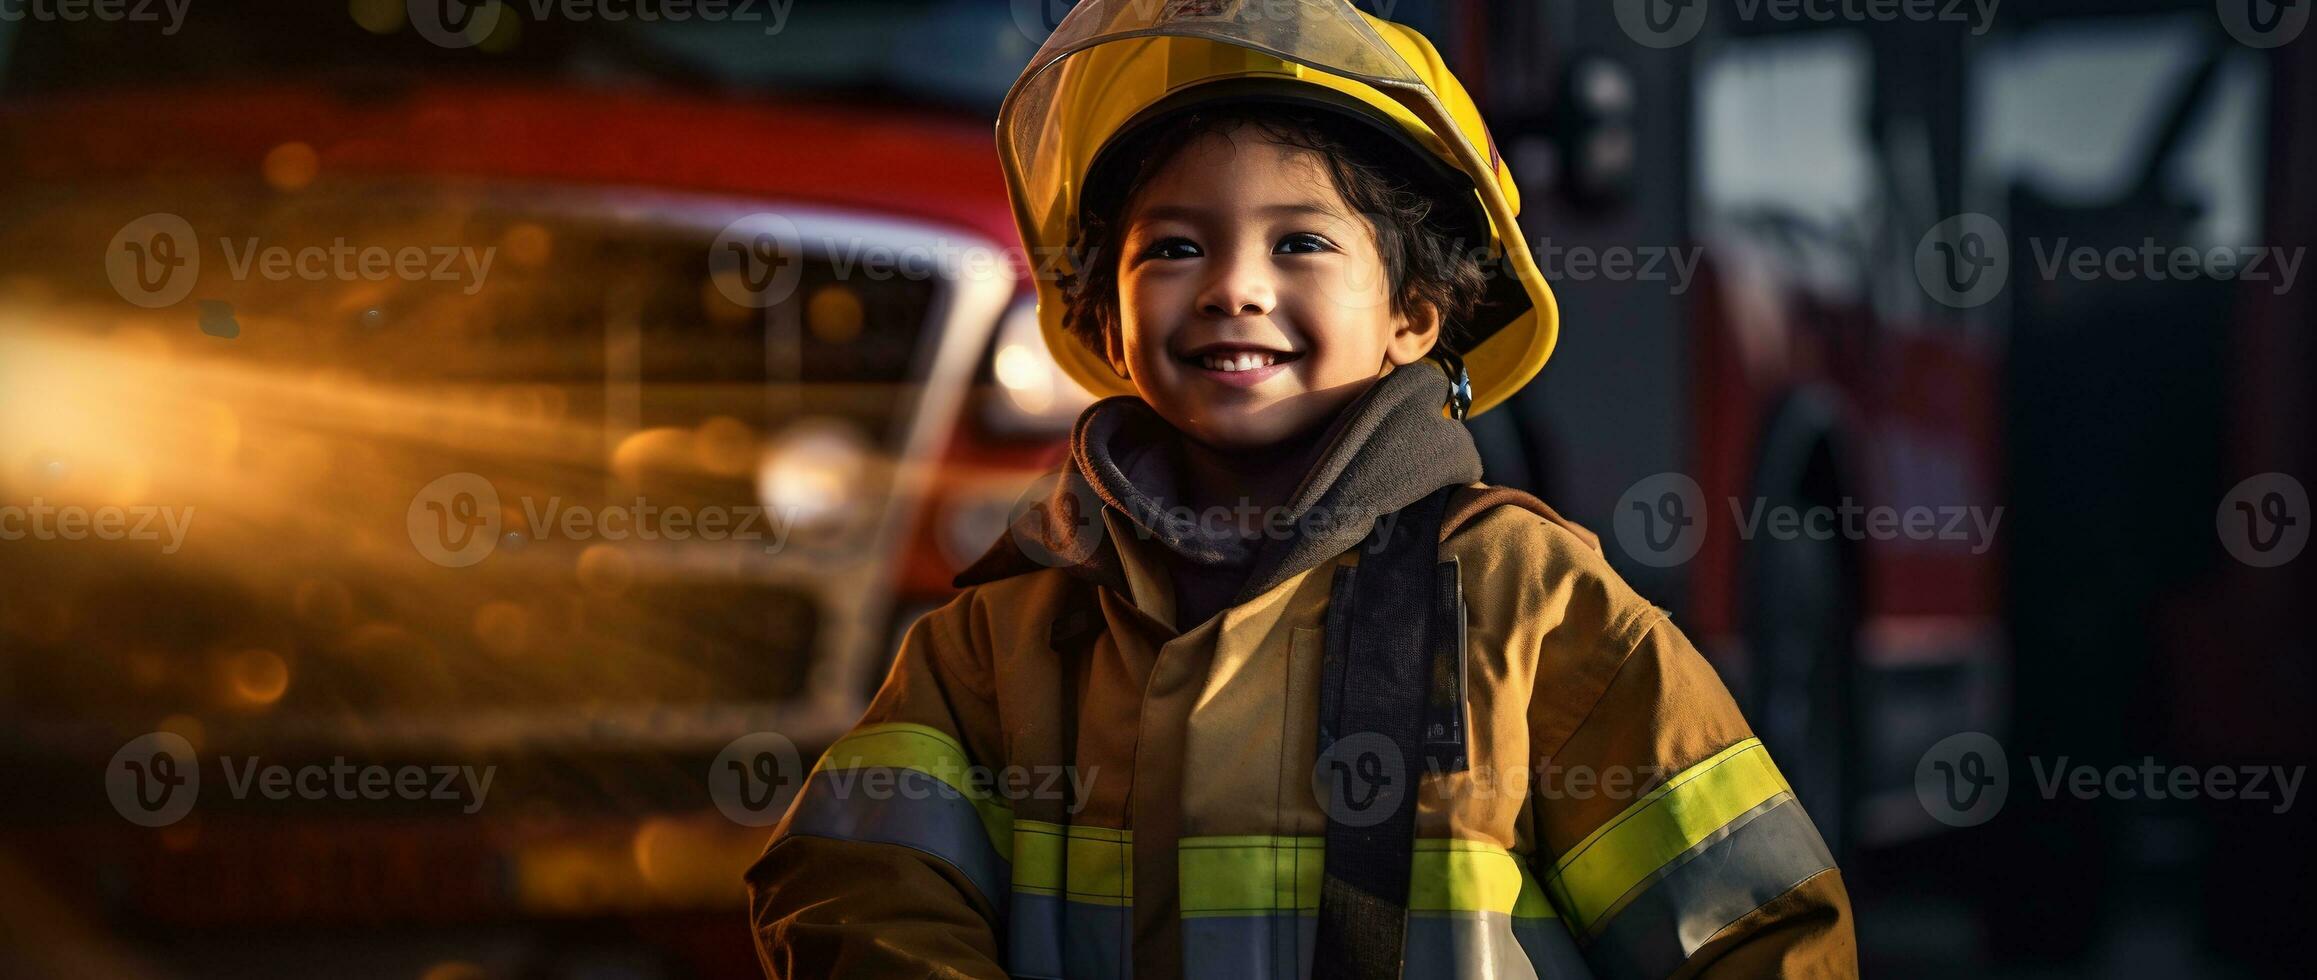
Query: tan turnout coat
1618,817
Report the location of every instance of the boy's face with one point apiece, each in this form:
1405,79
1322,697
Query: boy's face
1253,303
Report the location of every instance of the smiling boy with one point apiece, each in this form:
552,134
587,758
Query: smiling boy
1339,709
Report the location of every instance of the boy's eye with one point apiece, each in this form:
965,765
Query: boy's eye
1172,248
1303,242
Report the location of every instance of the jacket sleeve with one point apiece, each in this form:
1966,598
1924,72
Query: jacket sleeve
1677,849
891,860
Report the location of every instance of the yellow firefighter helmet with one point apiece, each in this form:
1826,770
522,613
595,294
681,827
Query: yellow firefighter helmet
1111,62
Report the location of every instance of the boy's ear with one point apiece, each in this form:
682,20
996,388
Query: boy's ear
1414,333
1114,351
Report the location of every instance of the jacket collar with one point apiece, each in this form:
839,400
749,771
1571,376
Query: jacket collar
1388,448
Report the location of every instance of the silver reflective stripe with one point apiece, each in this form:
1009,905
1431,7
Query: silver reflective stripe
1551,950
921,813
1464,946
1049,937
1490,945
1758,857
1460,945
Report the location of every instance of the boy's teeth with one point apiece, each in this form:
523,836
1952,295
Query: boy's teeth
1237,362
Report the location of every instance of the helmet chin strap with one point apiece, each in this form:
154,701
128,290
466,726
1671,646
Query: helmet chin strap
1460,390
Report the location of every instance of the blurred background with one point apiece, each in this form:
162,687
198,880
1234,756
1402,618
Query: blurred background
542,402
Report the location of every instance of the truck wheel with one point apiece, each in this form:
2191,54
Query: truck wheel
1801,620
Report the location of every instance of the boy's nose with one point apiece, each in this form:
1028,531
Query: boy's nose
1239,288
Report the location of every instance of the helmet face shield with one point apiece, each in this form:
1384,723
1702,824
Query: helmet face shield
1110,60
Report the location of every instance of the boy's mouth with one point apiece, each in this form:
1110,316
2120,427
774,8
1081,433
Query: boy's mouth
1239,364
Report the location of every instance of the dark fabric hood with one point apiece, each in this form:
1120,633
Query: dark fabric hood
1387,449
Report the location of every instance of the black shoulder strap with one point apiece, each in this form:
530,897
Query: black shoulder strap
1391,706
1072,636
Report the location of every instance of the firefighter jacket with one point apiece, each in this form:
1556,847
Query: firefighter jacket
1058,779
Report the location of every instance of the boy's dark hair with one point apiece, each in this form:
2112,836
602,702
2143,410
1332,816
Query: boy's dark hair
1425,238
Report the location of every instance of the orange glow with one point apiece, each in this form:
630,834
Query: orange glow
834,314
257,677
504,627
725,446
291,166
454,970
527,244
605,570
191,728
377,16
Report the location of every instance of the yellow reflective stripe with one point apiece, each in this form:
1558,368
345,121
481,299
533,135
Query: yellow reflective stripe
1094,865
1253,875
1249,875
1037,857
902,745
1594,875
1473,876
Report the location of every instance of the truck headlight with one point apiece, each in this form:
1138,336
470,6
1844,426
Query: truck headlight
1032,396
815,473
